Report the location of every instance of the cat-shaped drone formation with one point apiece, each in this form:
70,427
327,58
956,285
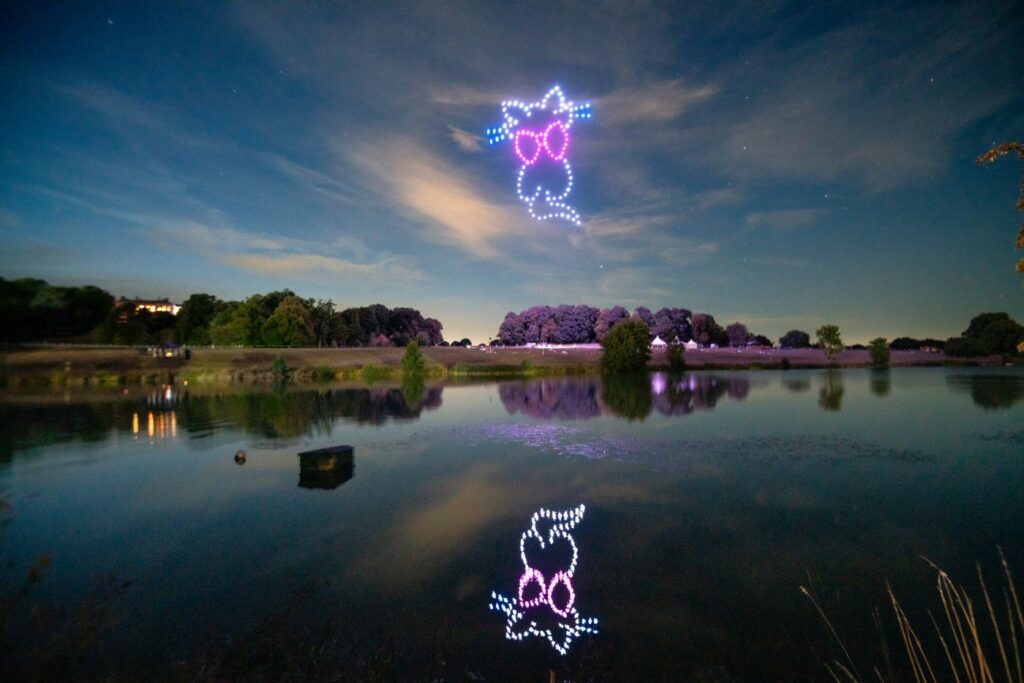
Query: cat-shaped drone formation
540,139
546,606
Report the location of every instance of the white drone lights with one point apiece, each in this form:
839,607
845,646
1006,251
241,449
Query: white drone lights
540,139
546,607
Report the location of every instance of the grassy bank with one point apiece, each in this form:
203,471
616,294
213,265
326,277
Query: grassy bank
113,366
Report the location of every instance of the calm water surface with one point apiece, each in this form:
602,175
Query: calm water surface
133,544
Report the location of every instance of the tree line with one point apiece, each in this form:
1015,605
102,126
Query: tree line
33,310
583,324
281,318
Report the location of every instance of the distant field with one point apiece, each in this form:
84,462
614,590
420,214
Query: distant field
61,365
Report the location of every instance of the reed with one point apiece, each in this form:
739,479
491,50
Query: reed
979,644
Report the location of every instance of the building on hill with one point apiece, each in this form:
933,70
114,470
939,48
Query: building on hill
151,305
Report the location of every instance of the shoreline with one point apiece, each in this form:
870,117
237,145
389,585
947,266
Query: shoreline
75,366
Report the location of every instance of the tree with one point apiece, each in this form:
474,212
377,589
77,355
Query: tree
737,333
671,324
1001,336
195,317
981,321
762,340
413,362
964,347
879,350
626,347
795,339
289,325
512,332
645,314
231,326
675,354
326,322
830,341
609,318
990,156
707,331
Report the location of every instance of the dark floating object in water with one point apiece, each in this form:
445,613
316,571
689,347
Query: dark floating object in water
240,457
326,468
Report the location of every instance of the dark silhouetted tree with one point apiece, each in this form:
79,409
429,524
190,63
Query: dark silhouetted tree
195,317
737,333
795,339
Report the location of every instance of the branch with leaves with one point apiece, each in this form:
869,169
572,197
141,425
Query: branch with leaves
990,156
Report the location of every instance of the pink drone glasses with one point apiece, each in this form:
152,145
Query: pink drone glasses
529,143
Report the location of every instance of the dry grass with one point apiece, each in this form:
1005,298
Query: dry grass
980,645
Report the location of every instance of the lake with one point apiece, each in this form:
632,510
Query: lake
133,544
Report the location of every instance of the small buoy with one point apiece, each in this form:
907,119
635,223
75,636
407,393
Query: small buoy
240,457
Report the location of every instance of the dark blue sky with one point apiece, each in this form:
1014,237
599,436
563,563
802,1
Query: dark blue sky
785,165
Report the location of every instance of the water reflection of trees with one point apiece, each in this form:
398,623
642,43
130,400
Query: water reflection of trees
881,383
633,397
990,392
279,414
830,396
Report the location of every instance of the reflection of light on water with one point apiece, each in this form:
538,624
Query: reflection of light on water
658,383
158,425
538,598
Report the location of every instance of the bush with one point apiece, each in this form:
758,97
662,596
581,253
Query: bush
964,347
626,347
280,369
413,361
879,350
675,354
371,373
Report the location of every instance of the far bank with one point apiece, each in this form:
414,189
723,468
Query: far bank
111,366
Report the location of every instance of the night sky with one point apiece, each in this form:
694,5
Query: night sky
784,165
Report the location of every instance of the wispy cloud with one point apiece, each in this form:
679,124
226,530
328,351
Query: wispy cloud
306,264
315,181
455,210
785,219
660,101
466,141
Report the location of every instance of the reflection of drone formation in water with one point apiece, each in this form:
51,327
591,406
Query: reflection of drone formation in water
546,608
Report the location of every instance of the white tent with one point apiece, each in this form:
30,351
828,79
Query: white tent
658,343
691,345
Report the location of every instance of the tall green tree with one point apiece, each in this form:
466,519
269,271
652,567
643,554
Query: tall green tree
626,347
413,361
831,342
289,325
879,350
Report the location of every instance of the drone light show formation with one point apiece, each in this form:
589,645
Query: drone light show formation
546,606
540,140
